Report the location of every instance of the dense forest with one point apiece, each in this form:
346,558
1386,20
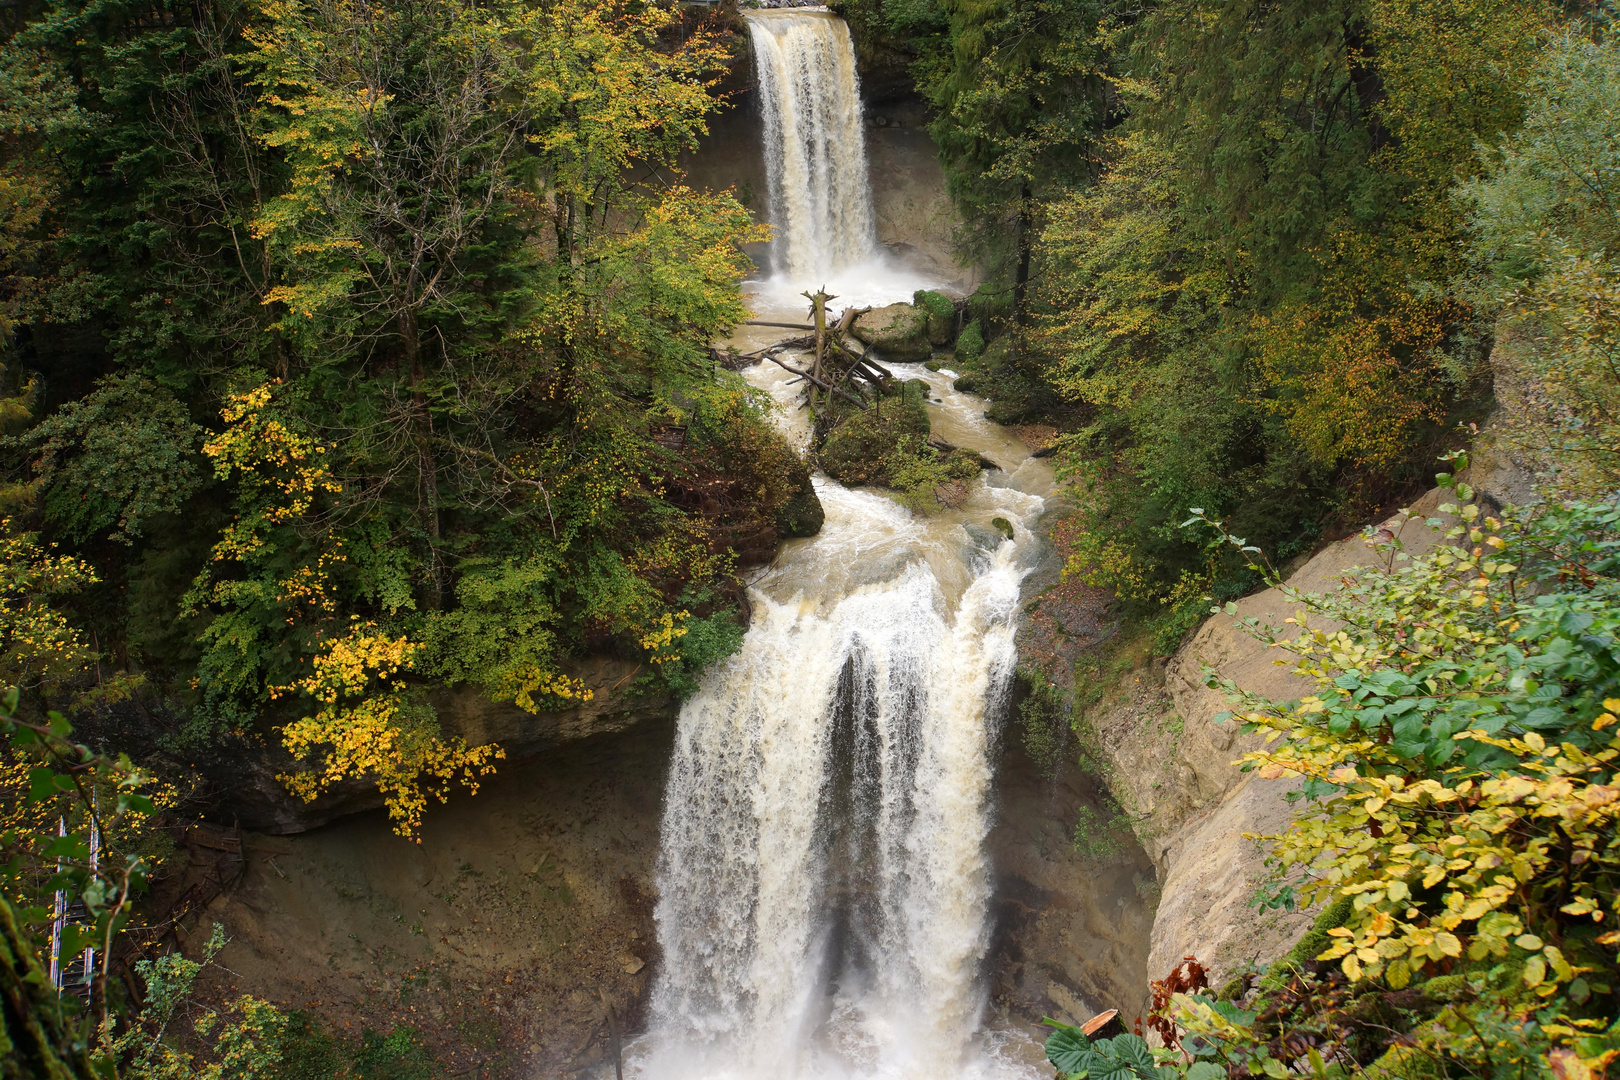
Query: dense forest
351,352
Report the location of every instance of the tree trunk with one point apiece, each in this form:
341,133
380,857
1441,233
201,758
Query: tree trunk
1026,225
427,467
36,1039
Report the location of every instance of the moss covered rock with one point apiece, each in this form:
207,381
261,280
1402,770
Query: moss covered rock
802,514
859,450
939,312
898,332
970,343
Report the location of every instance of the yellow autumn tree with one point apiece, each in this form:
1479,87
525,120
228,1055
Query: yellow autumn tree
365,724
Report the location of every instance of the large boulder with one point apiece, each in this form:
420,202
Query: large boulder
940,313
859,450
802,514
898,332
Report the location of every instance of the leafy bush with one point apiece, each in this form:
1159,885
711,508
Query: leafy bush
111,461
1097,837
927,480
1545,231
941,314
861,449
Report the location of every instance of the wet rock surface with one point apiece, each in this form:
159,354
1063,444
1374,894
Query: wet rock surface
259,801
1071,929
898,332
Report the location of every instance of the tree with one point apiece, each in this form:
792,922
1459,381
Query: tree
1020,100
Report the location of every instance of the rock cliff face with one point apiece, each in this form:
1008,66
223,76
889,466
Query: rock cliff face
506,937
1170,761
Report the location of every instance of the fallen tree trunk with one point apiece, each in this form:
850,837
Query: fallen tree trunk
847,319
846,395
731,361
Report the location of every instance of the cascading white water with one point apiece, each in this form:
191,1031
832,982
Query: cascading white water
815,151
823,887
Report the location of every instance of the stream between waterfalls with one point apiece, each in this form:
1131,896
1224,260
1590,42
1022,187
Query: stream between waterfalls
823,880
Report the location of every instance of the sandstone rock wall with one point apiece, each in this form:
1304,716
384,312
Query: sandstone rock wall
1171,761
1173,766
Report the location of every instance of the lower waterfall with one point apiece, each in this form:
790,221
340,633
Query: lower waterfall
822,878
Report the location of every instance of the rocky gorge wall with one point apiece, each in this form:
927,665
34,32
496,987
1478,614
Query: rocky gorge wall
1170,762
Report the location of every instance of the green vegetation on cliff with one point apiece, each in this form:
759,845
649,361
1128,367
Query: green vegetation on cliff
1266,266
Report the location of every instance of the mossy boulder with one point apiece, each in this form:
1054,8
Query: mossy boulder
802,514
997,353
940,313
970,344
898,332
980,363
859,450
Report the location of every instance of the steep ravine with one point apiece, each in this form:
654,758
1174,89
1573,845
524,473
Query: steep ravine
519,933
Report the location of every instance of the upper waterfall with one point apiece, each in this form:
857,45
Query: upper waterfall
820,199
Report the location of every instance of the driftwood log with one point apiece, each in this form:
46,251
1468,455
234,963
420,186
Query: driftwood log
835,360
801,373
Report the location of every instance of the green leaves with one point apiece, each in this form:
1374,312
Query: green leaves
115,458
1066,1047
1124,1057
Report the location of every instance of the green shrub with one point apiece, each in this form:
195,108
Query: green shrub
1456,772
1100,837
990,304
941,315
927,480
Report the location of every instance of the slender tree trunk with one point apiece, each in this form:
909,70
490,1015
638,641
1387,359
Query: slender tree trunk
1026,226
427,467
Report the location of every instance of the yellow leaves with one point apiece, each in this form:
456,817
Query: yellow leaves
660,640
1478,836
384,735
37,643
379,738
523,683
280,471
1569,1065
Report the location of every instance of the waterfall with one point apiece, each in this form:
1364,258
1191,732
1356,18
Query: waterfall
815,151
822,879
823,889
